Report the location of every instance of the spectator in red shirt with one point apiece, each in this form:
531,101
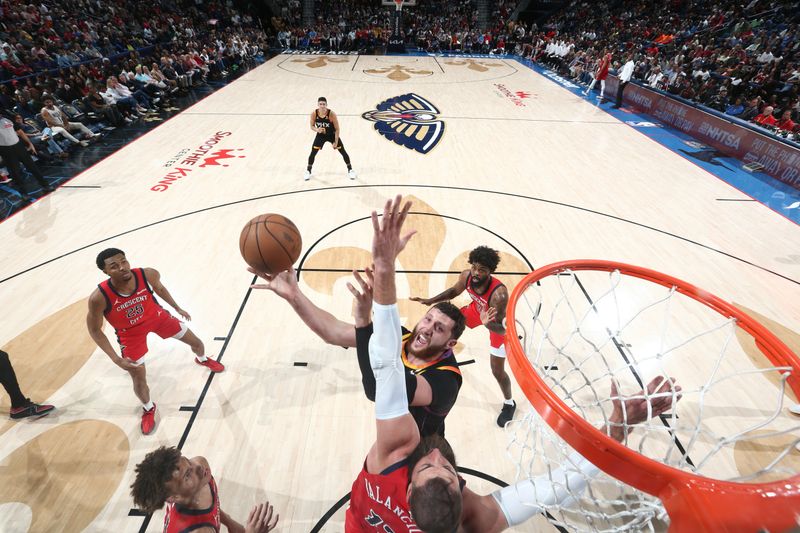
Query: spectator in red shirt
766,118
786,123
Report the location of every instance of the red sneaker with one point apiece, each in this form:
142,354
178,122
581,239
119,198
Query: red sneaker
31,410
149,420
211,364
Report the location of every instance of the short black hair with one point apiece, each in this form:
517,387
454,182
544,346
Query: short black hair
485,256
105,254
435,506
322,99
149,489
455,314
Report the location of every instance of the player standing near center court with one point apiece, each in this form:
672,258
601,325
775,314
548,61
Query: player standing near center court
325,124
488,307
127,300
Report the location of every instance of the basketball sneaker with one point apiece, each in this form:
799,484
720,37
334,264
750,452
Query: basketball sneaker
352,174
30,410
506,414
211,364
148,420
307,175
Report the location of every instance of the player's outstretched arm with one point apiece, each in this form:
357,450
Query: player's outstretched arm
94,323
513,505
324,324
397,432
154,279
448,294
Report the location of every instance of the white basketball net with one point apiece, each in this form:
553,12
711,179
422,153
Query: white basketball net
582,329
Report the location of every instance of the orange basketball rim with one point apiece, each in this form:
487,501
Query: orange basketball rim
694,503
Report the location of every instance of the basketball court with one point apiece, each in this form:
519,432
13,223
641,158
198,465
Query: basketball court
489,151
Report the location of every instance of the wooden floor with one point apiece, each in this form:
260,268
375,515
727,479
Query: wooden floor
521,165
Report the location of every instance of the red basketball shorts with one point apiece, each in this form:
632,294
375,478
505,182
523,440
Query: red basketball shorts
496,341
134,341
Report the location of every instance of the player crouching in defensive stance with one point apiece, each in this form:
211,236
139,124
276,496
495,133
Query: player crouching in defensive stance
420,478
127,300
190,492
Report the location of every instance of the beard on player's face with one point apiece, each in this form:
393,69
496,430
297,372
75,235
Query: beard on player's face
425,343
479,273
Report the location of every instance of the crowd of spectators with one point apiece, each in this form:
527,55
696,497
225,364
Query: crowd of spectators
72,70
741,59
352,25
339,25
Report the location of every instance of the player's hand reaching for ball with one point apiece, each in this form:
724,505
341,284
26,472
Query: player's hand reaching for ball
284,284
363,308
387,240
261,519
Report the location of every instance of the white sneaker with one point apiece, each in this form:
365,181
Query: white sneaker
795,408
307,175
352,174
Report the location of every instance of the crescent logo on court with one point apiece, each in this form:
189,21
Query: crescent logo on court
408,120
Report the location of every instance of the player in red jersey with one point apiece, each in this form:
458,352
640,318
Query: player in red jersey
190,492
600,74
127,300
409,486
488,307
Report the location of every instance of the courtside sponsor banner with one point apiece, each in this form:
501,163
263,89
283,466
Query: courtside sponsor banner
780,160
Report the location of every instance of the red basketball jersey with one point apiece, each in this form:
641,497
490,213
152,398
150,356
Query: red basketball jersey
602,68
378,502
135,310
180,519
481,301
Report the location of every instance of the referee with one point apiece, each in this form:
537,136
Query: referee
13,152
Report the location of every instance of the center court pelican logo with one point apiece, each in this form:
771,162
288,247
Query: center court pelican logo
408,120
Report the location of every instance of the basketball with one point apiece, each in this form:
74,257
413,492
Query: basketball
270,243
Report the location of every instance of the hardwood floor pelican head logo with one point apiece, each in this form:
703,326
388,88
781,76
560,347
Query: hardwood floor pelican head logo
408,120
